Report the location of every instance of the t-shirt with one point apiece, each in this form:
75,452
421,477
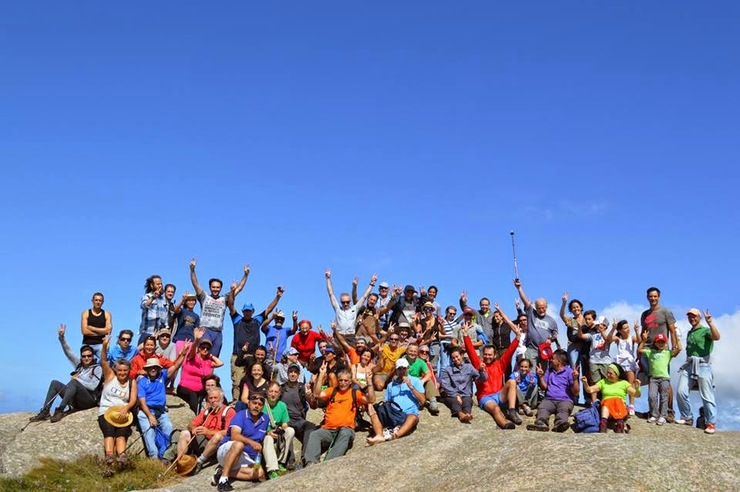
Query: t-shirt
524,381
153,392
246,331
187,320
539,330
250,429
418,368
306,344
390,357
656,322
291,397
340,412
559,384
598,351
279,414
613,390
193,371
699,342
277,338
400,393
212,311
659,361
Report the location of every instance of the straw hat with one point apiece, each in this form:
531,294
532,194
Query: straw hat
185,465
111,416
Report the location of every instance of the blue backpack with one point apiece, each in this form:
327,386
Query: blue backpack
588,419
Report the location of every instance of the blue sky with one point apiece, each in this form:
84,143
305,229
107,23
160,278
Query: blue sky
402,139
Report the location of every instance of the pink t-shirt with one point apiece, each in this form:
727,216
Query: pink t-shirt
193,371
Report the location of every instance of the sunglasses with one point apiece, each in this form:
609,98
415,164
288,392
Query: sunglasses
124,339
86,356
423,351
393,339
428,310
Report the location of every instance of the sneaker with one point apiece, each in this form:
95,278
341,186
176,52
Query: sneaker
273,475
683,421
561,427
509,426
433,408
652,420
602,426
41,416
710,429
512,416
631,410
58,415
224,486
527,411
198,468
387,434
282,469
661,421
539,425
619,427
217,475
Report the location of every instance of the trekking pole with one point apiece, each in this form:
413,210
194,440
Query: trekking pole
513,250
179,456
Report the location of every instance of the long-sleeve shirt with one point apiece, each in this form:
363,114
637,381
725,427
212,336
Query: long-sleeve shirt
458,381
495,370
88,376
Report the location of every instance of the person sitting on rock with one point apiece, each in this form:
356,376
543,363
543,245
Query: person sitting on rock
80,392
338,430
456,385
398,415
153,399
208,428
117,401
561,386
419,368
526,387
388,354
124,349
148,351
492,394
276,453
613,392
241,446
295,395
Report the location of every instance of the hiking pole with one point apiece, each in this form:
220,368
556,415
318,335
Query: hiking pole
513,250
178,457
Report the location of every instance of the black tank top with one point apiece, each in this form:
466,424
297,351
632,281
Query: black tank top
96,322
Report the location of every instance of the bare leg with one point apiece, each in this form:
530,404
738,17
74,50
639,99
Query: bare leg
182,442
494,411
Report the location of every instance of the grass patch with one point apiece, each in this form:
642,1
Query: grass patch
86,474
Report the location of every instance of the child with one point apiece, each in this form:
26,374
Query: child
613,391
659,358
526,387
598,355
626,352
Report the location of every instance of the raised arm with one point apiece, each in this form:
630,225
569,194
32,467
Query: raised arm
330,290
194,278
369,289
278,294
231,300
294,330
355,281
522,295
107,371
339,337
512,326
714,332
65,346
242,281
643,339
463,300
566,319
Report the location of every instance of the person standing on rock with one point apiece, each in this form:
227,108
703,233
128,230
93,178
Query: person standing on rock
95,324
697,369
541,327
80,392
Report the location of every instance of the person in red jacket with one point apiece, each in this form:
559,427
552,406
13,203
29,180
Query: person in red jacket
305,341
493,393
147,352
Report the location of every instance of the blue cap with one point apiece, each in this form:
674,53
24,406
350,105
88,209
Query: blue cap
248,307
329,349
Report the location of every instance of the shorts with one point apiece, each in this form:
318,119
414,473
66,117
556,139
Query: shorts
244,459
598,372
616,406
496,398
111,430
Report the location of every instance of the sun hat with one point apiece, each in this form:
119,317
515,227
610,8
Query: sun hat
111,416
185,465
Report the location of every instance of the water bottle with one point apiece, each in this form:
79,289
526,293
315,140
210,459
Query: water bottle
258,461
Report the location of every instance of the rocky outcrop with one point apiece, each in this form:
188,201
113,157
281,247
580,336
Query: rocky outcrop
446,455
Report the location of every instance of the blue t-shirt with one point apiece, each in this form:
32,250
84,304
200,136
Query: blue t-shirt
187,320
250,429
272,337
526,382
153,392
403,396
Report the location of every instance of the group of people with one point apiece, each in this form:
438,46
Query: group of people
398,341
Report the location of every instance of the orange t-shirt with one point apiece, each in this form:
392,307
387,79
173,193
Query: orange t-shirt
339,413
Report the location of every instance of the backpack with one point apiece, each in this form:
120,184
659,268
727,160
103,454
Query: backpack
588,419
354,396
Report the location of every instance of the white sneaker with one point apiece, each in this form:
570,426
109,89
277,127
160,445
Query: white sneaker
661,421
387,434
632,410
652,420
683,421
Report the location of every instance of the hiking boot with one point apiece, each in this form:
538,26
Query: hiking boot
671,417
683,421
217,475
619,427
123,462
433,408
41,416
224,486
198,467
709,429
58,415
602,426
561,427
539,425
652,420
527,411
273,475
512,416
108,470
508,426
631,410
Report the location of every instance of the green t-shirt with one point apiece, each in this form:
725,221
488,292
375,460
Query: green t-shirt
659,362
279,413
613,390
699,342
418,368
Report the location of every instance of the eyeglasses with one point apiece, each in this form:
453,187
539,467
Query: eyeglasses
124,339
344,380
393,339
451,313
205,347
428,310
258,399
86,356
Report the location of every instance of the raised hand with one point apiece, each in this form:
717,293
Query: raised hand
464,297
61,330
247,269
192,264
295,315
540,371
327,273
517,283
199,331
565,297
355,281
106,342
280,290
374,278
707,316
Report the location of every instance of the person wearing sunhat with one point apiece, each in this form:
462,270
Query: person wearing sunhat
115,416
199,362
153,399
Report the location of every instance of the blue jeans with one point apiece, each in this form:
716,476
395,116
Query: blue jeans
164,423
217,337
706,391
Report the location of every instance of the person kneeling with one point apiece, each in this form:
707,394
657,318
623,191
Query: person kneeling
398,415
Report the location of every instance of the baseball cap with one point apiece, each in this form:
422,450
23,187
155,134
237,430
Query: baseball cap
409,287
695,312
292,351
294,367
660,338
248,307
402,362
384,285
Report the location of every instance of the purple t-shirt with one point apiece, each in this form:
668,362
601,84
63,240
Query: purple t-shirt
559,384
